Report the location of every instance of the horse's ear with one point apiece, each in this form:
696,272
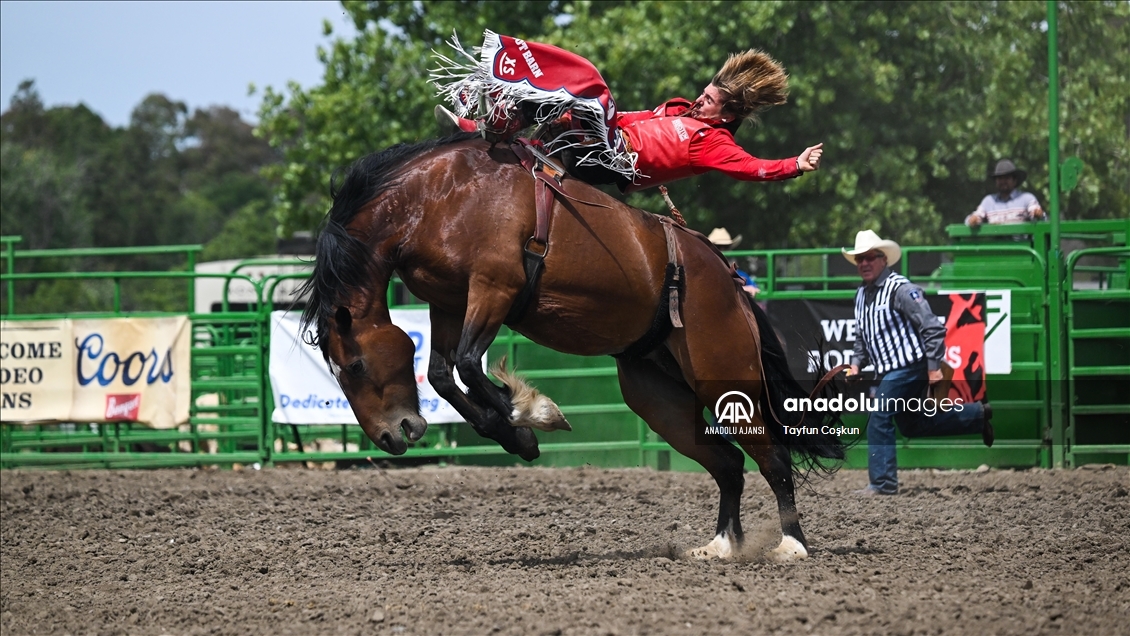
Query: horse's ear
343,319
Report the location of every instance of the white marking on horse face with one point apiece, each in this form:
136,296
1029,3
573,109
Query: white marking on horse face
789,550
719,548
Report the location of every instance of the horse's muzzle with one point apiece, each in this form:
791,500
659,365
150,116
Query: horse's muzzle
394,438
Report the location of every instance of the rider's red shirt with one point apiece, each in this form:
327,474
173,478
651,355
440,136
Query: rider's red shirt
663,157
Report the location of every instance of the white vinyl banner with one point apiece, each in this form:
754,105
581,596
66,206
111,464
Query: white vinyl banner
97,370
36,365
306,393
132,369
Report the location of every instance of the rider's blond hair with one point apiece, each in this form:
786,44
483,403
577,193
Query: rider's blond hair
753,81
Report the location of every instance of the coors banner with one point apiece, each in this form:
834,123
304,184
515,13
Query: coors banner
99,370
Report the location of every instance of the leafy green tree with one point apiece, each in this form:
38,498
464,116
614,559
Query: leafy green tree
170,177
248,232
74,133
41,199
914,100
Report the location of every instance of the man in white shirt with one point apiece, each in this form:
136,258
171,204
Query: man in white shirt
1009,204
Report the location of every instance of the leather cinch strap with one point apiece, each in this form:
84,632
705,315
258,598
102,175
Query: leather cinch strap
675,281
546,182
667,314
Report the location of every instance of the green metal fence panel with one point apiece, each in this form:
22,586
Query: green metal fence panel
227,368
230,417
1098,328
605,431
229,373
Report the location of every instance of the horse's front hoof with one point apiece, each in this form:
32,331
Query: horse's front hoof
719,548
789,550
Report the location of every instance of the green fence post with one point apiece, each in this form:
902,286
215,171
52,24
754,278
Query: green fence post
1056,375
191,282
266,393
770,272
10,259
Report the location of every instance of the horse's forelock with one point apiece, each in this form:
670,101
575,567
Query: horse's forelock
343,265
335,181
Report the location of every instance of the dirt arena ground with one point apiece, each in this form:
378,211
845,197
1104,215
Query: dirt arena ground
555,551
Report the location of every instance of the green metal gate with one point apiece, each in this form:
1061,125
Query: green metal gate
1098,345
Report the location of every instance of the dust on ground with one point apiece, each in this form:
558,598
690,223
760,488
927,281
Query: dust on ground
555,551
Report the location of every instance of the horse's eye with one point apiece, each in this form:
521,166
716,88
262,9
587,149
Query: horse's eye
356,368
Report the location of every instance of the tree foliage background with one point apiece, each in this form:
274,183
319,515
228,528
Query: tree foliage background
915,101
70,180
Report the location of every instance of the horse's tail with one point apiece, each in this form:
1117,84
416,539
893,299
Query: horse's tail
809,445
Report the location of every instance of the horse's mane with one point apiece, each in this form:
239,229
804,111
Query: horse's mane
343,263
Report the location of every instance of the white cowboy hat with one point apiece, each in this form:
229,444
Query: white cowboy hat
720,237
868,240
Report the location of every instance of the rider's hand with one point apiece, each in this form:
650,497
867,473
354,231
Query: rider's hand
809,160
935,376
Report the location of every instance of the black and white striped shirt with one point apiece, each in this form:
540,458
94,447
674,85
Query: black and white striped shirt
894,325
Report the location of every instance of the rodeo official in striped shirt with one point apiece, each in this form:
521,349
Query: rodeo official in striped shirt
905,341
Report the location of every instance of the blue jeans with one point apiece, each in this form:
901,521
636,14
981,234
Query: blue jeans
910,382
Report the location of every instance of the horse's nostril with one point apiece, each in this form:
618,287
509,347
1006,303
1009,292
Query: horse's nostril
386,440
406,426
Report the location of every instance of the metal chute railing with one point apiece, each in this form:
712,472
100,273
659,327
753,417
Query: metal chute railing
1098,349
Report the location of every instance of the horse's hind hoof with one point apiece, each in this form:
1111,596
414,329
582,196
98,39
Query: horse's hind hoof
789,550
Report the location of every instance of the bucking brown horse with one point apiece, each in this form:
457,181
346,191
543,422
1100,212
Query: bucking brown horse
452,217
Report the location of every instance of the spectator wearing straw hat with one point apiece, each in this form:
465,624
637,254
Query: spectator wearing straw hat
723,241
1010,204
898,334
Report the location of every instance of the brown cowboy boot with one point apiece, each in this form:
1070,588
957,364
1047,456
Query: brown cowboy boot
450,123
504,125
